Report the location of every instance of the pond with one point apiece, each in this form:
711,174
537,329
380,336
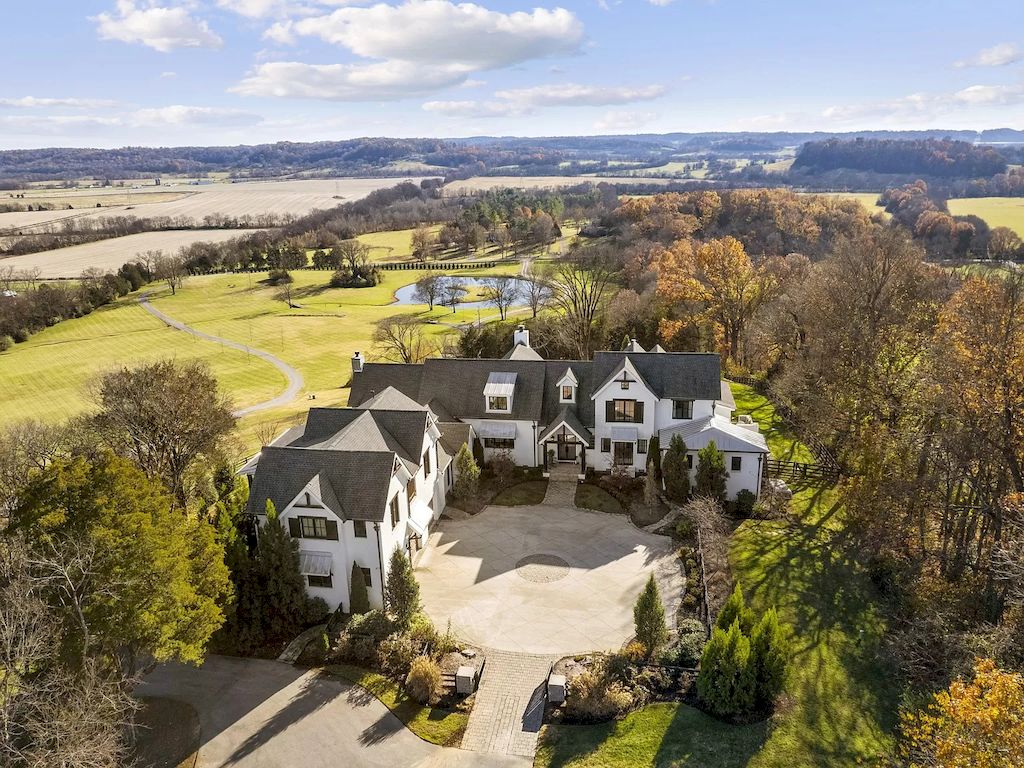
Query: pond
404,295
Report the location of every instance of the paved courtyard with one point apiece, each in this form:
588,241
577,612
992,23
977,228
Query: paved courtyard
546,579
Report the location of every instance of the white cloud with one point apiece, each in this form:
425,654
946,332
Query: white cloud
573,94
442,32
168,75
996,56
918,106
179,114
620,120
348,82
411,49
162,29
260,9
56,125
473,84
33,102
473,109
990,95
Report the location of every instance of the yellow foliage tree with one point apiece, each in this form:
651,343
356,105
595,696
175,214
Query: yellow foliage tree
974,724
716,281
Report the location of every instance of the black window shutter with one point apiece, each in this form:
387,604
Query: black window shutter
609,410
294,528
332,530
638,413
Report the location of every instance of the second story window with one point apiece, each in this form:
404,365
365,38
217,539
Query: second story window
394,511
410,488
359,527
497,403
567,394
628,411
682,409
303,527
426,462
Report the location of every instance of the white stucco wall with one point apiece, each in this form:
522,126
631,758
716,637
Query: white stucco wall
747,477
526,440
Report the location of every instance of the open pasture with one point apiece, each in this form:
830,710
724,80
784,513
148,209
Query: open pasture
478,183
111,254
995,211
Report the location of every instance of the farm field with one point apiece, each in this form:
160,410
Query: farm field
91,198
393,245
111,254
996,211
248,198
476,183
48,375
867,199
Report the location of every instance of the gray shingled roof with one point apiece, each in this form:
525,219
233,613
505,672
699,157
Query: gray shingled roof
454,434
568,417
726,398
376,377
358,480
523,352
682,375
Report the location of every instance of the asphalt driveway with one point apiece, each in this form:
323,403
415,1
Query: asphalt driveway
264,714
546,579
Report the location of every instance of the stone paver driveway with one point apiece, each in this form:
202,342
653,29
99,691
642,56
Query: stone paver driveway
543,579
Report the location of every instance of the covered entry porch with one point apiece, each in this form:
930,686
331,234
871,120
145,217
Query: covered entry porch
565,442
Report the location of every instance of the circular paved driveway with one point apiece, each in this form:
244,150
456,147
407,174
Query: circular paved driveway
543,579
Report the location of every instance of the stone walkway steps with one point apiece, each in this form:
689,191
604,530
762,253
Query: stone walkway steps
562,483
509,708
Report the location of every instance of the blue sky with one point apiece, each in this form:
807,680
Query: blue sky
164,72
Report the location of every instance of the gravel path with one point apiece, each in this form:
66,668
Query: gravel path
295,382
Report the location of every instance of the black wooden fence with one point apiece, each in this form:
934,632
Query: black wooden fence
796,470
441,265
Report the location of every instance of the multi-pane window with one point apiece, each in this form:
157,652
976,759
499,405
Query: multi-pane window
313,527
366,575
410,488
504,443
426,462
394,511
624,410
689,461
682,409
497,403
737,462
360,528
606,444
641,446
320,581
566,392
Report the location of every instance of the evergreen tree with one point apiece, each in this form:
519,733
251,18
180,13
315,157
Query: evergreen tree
769,652
654,448
735,609
676,470
402,592
650,486
726,682
711,472
358,599
467,474
649,618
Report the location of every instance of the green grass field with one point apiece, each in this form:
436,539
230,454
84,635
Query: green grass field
840,699
781,443
47,377
395,245
995,211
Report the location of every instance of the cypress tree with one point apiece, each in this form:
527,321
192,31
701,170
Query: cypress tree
649,618
402,592
726,682
358,599
769,652
676,471
711,474
735,609
467,474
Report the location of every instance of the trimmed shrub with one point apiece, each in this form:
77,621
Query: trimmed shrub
503,468
690,626
423,683
374,624
467,474
686,529
735,609
745,501
422,631
769,653
401,591
726,683
594,695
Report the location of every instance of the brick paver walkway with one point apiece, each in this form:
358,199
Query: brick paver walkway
562,486
509,707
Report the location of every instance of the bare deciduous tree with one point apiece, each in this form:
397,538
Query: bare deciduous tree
538,293
170,269
428,289
401,339
502,292
452,291
579,290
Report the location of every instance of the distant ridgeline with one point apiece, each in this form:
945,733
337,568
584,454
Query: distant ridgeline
924,157
556,155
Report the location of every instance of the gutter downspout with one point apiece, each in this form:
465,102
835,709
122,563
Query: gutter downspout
380,561
760,469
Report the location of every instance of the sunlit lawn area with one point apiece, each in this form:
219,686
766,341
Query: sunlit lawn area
840,701
527,492
996,211
438,726
590,496
781,442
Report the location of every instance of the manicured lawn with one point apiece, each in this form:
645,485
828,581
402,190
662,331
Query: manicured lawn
598,499
782,444
522,494
394,245
658,736
842,699
438,726
996,211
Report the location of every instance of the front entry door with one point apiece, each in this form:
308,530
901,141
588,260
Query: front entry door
624,453
566,451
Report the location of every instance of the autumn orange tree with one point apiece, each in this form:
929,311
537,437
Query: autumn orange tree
974,724
715,281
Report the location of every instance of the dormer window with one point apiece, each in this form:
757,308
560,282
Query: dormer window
568,394
567,386
498,392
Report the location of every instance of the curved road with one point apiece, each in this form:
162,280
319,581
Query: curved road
295,382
